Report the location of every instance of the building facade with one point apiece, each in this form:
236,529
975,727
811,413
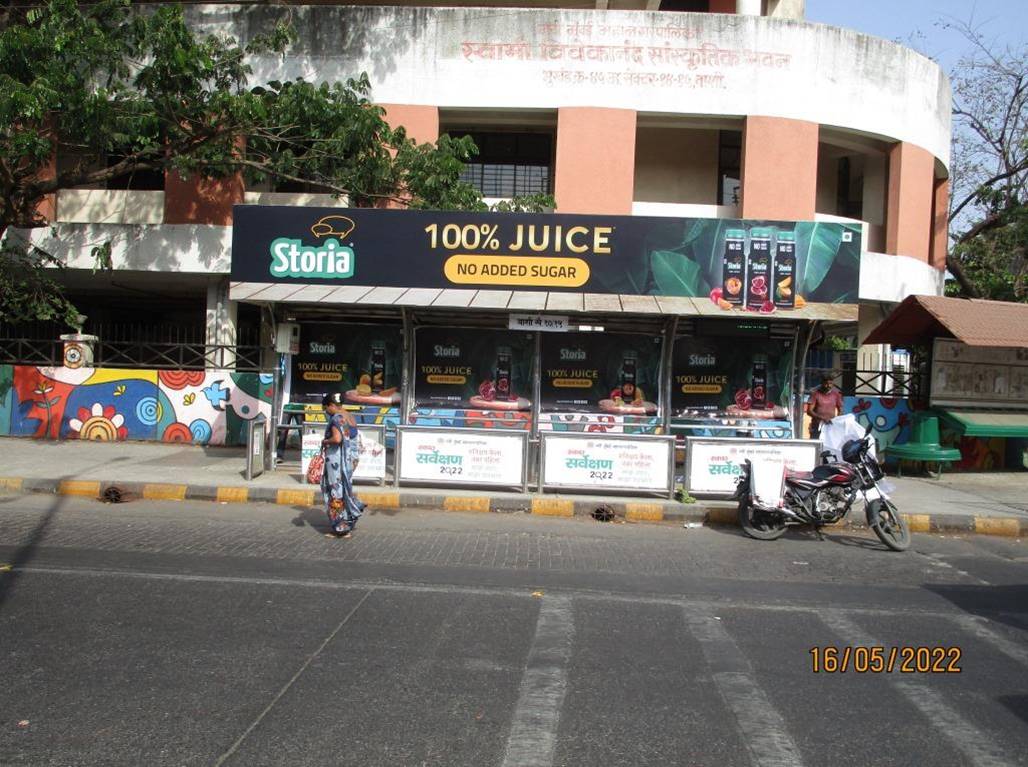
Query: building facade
727,110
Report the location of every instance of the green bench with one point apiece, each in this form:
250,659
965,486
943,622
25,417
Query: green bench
924,445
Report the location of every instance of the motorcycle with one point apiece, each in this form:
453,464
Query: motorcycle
824,496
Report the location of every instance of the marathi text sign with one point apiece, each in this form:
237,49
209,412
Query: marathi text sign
606,462
461,456
741,266
980,376
372,465
712,465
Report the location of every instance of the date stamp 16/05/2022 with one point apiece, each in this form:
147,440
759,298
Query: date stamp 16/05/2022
884,660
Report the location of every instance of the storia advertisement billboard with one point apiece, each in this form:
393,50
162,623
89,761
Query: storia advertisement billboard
739,265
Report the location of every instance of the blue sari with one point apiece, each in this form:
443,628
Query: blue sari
337,479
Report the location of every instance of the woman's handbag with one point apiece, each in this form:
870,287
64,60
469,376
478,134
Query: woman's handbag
316,468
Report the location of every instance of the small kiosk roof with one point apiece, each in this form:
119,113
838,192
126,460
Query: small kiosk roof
975,322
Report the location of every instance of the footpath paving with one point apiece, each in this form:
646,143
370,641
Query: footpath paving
992,504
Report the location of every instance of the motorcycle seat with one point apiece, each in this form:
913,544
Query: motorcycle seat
819,474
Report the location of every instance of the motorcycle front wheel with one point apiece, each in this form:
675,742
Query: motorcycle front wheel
760,524
888,525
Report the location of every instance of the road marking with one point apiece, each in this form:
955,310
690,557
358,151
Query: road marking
978,627
533,732
980,748
761,726
253,725
553,507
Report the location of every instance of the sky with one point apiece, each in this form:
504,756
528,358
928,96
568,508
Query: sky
916,22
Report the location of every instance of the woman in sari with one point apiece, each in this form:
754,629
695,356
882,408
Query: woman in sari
340,444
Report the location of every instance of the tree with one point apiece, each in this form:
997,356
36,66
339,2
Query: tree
140,91
989,180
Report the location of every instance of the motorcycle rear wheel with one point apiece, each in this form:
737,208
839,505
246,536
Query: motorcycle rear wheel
890,528
758,524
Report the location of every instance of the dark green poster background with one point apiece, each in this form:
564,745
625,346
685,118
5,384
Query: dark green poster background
339,358
584,372
635,255
457,367
713,377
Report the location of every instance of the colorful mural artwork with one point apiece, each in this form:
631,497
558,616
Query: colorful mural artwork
479,419
603,423
889,416
976,453
207,407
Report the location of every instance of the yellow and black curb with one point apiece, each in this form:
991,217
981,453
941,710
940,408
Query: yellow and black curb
659,511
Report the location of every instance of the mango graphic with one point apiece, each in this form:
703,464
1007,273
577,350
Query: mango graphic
639,398
376,380
799,301
388,392
363,389
364,380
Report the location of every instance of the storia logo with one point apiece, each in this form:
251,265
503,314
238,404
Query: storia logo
322,348
446,351
572,354
702,360
331,260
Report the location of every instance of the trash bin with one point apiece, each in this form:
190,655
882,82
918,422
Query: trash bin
256,441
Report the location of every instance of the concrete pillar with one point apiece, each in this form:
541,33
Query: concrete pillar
420,122
911,193
940,223
779,168
747,7
221,325
199,200
595,168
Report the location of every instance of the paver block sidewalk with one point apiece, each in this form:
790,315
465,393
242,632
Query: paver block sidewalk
157,471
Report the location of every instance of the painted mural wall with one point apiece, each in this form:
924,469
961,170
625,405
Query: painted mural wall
204,407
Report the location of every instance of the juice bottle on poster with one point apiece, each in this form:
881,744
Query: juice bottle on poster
378,361
758,384
503,389
733,267
628,366
783,280
758,268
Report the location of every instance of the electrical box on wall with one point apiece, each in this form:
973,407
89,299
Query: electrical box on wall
287,338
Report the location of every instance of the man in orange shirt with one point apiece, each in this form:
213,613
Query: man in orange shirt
824,404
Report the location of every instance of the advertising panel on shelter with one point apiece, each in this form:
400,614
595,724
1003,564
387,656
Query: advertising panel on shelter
616,373
731,377
739,266
473,367
362,362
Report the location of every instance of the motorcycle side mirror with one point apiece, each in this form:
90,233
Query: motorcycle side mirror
869,429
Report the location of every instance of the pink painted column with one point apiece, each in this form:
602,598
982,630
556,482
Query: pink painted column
421,122
909,222
595,167
779,168
940,223
199,200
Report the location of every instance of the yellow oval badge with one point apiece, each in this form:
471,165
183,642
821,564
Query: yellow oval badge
537,271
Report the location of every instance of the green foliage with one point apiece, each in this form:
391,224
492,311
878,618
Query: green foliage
114,89
839,343
994,259
28,290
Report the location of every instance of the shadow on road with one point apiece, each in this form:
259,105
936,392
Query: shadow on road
1017,704
1002,604
25,553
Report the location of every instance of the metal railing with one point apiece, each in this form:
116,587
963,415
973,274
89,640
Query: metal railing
137,354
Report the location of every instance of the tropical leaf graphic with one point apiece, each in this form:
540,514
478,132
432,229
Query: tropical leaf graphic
676,275
119,390
816,249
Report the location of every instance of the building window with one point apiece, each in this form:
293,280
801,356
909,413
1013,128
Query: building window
729,165
509,164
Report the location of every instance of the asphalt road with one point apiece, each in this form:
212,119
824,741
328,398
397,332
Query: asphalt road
198,634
